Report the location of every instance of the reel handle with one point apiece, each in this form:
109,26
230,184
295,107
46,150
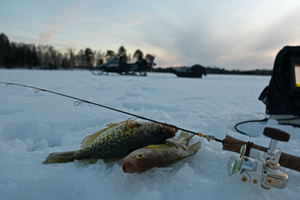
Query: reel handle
276,134
286,160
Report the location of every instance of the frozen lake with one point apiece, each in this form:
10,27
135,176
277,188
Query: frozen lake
34,125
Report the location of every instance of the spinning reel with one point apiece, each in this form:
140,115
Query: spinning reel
257,167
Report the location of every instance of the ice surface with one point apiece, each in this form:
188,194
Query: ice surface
34,125
19,145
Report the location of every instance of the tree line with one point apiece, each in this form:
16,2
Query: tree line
31,56
218,70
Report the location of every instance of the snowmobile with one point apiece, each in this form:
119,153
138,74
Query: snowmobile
196,71
115,65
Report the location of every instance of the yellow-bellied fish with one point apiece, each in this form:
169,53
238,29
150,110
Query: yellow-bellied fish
160,155
115,142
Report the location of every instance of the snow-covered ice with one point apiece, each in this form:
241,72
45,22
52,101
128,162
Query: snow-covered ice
32,125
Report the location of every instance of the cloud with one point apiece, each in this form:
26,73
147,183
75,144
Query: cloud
249,41
49,34
66,17
18,38
72,46
121,23
140,19
225,35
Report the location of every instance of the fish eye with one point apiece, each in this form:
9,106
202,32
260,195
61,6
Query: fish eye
140,156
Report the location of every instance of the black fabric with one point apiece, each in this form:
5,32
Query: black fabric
277,96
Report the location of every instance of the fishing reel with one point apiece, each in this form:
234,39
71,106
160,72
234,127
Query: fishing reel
258,167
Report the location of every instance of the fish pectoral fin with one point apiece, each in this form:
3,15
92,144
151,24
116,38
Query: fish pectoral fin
88,160
184,138
183,134
195,147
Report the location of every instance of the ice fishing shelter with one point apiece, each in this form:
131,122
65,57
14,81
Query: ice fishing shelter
282,95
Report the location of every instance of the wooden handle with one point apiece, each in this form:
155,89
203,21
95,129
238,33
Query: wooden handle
286,160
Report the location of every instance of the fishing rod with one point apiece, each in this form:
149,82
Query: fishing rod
79,101
255,165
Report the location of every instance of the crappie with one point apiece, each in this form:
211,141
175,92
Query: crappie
160,155
115,142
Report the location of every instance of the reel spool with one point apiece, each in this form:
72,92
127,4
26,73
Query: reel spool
261,167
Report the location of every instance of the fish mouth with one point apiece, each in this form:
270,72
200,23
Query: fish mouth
128,167
170,130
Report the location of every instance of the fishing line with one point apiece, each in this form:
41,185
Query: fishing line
235,127
264,120
79,101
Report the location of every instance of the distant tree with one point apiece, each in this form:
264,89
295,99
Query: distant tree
53,58
34,61
138,55
81,55
4,51
122,55
24,54
71,58
100,62
109,55
98,57
129,57
88,56
19,57
47,57
122,51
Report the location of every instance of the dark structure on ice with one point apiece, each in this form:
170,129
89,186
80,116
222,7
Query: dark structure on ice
282,95
196,71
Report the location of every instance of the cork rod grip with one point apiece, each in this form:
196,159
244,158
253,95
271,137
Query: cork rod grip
286,160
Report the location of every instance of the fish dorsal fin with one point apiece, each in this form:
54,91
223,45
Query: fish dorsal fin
184,138
133,125
90,138
195,147
114,124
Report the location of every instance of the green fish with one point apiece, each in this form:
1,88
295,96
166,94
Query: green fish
160,155
115,142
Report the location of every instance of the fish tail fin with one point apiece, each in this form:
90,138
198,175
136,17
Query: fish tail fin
185,137
62,157
195,147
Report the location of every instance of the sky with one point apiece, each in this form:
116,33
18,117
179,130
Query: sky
230,34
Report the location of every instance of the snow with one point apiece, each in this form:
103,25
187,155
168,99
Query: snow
34,125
